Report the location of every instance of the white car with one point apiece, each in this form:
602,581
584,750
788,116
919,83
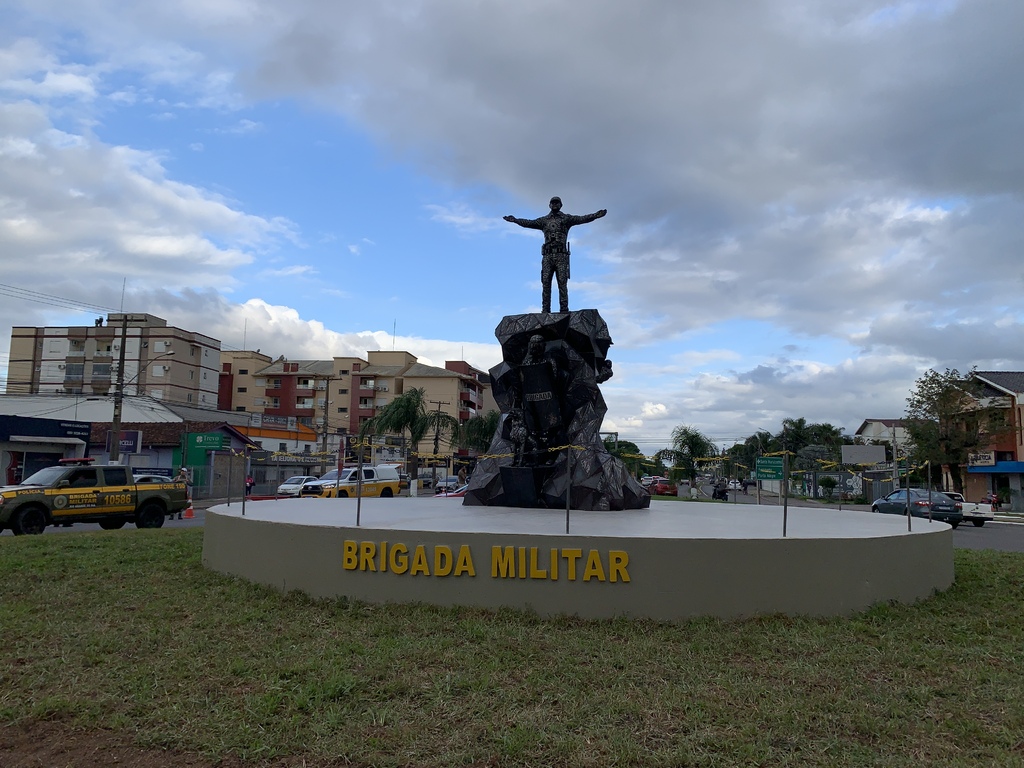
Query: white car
293,485
153,479
978,512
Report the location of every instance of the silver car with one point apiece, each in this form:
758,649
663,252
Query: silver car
293,485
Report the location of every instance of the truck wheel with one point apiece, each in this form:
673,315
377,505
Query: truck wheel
150,515
978,523
29,520
342,494
386,493
111,525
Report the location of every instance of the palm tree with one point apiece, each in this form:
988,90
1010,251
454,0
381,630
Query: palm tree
408,412
478,431
688,445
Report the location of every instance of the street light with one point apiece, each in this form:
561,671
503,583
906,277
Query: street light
115,424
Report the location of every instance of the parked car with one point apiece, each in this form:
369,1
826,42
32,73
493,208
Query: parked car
646,481
662,486
139,479
456,493
293,485
941,506
978,512
447,484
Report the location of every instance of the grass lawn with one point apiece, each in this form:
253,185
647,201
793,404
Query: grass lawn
125,631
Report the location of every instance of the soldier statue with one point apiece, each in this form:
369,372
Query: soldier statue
555,251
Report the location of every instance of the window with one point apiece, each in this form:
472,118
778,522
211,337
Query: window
275,402
191,351
243,371
274,384
261,382
243,389
306,448
343,409
304,402
101,369
116,475
191,375
204,375
189,399
74,371
82,478
282,446
343,372
342,391
239,407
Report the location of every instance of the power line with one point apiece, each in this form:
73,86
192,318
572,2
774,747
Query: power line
55,301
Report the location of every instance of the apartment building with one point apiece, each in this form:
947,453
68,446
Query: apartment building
159,361
336,397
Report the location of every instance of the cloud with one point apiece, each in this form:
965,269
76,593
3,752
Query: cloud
808,203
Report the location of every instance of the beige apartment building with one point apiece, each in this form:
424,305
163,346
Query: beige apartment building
336,397
159,361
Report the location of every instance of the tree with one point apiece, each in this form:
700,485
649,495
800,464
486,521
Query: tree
943,417
478,431
688,446
627,452
408,412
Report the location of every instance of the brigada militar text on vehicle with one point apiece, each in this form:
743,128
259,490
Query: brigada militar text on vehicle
107,495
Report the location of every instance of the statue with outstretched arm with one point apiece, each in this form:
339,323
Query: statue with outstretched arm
555,251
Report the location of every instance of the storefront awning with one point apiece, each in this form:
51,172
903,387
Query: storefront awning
999,468
46,440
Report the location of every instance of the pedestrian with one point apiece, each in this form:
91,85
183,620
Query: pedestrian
249,483
184,477
462,476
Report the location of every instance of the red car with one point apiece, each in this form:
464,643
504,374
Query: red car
662,487
457,493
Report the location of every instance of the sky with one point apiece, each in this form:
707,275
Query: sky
809,204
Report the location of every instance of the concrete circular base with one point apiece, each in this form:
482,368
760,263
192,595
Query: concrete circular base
674,561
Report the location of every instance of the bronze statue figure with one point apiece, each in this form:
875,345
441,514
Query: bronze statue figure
555,251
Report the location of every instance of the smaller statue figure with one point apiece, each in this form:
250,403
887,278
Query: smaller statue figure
555,251
541,401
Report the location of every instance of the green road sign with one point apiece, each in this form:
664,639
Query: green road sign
769,468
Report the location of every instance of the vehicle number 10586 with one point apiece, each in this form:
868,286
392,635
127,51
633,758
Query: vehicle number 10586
117,498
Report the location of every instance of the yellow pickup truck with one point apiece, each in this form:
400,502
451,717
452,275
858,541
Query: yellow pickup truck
382,480
107,495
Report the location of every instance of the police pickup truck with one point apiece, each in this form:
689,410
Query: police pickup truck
381,480
107,495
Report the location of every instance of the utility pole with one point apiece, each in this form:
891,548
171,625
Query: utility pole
323,439
115,424
437,440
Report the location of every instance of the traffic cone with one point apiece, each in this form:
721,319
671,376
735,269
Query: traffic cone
189,512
